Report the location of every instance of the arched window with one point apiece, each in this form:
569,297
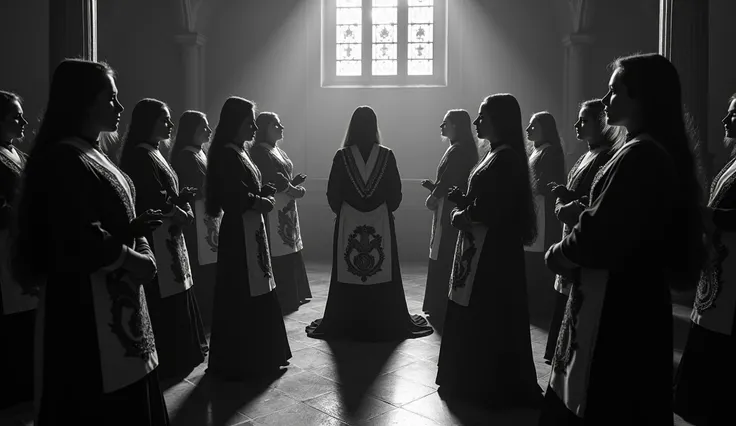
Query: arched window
374,43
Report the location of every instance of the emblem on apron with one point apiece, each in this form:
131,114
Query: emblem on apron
467,254
362,244
208,234
258,257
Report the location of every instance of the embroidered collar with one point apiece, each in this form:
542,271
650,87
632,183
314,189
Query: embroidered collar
365,176
159,158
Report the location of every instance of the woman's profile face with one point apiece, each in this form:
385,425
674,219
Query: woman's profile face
620,107
275,131
587,128
163,127
534,131
248,129
483,124
13,124
105,111
202,133
447,128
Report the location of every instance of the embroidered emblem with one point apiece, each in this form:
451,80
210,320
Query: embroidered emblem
365,241
288,228
213,232
567,342
365,189
709,286
179,262
264,257
461,267
130,321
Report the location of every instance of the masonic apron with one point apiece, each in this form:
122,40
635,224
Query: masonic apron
538,245
207,227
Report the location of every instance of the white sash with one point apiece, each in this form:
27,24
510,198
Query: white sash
365,168
538,244
364,246
572,361
258,258
719,315
467,255
436,237
283,226
172,258
208,234
14,300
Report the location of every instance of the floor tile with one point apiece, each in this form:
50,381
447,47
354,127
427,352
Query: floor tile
399,417
336,405
299,414
421,372
306,385
310,358
397,390
269,402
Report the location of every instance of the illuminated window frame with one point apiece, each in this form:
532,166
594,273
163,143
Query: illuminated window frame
329,77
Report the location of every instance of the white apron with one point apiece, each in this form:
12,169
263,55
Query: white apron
436,237
283,224
14,300
577,339
467,255
124,332
208,234
364,246
538,245
172,257
258,256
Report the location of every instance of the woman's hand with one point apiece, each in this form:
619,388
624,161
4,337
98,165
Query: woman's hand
456,195
560,191
140,267
428,184
281,180
264,204
187,195
299,179
268,190
146,223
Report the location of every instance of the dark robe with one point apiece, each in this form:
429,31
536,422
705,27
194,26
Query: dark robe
548,166
375,311
191,168
619,366
579,180
453,170
180,336
290,273
85,230
486,352
17,324
248,334
704,385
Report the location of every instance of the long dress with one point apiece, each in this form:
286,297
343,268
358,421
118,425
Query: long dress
486,352
453,170
547,164
366,299
190,164
609,367
248,333
180,336
285,240
94,336
704,390
17,310
579,180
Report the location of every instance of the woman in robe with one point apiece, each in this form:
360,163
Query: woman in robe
190,164
80,244
180,335
704,391
641,235
366,298
486,353
453,170
290,274
248,333
573,198
17,310
547,164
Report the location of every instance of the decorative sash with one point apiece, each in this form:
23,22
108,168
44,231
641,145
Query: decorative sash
364,246
436,237
283,226
365,176
467,255
577,340
258,258
538,245
124,333
12,160
208,234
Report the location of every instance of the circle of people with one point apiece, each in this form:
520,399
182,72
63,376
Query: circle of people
99,257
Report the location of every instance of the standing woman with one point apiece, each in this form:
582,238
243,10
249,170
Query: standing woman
17,310
641,234
486,352
572,199
285,240
366,299
81,244
190,164
547,164
180,336
248,333
453,170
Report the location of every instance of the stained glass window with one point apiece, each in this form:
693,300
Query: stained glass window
349,20
385,19
420,46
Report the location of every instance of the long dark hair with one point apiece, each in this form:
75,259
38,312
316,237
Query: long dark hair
463,129
653,81
75,86
142,122
234,112
363,128
189,122
505,114
612,136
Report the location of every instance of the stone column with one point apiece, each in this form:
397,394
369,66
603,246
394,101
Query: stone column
72,30
577,48
683,38
192,45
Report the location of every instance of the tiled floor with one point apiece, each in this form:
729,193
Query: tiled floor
331,383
